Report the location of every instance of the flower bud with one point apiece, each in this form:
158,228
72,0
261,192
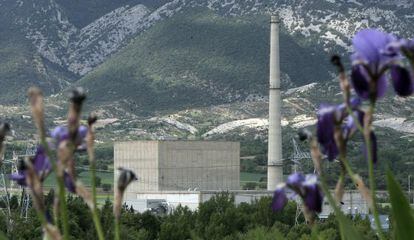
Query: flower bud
125,178
77,96
92,119
304,134
336,61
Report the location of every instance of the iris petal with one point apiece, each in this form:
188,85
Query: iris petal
326,123
313,198
330,150
69,183
371,45
279,199
402,81
351,125
19,177
295,180
381,86
325,130
61,133
360,82
41,163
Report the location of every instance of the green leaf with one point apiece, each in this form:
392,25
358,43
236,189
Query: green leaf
401,210
347,228
2,236
314,233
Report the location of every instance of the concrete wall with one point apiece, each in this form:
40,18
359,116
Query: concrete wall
142,158
179,165
204,165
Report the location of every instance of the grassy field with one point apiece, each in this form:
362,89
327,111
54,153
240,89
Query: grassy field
106,177
250,177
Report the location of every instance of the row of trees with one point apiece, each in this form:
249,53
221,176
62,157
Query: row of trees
216,219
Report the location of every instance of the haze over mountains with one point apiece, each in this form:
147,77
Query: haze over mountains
165,68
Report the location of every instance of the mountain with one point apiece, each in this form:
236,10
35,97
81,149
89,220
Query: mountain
143,61
200,58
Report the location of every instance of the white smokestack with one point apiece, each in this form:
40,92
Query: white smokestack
274,154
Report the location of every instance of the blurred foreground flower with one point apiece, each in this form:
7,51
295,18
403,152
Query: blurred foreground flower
307,187
41,167
61,133
375,53
125,178
330,119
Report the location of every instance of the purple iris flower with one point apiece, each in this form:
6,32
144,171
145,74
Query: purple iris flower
371,49
375,53
361,83
41,165
313,196
325,130
328,117
306,187
61,133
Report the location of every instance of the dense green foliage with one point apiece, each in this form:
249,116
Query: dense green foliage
216,219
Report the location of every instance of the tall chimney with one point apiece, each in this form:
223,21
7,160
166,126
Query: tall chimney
274,154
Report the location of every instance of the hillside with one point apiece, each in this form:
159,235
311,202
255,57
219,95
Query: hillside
199,59
22,66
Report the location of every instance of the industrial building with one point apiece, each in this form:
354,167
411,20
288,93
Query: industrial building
180,165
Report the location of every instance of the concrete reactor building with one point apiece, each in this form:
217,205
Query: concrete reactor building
180,165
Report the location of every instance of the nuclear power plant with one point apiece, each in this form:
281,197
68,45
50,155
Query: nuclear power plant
187,173
190,172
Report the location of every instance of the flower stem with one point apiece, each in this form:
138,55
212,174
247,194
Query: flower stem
371,172
341,143
63,208
331,200
95,215
61,189
356,120
90,138
349,170
117,229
